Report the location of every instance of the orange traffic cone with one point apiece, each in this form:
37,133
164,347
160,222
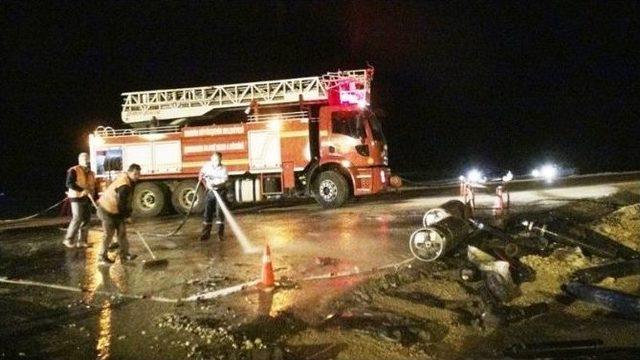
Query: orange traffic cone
268,279
498,204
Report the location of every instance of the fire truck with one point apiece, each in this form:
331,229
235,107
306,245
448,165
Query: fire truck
312,136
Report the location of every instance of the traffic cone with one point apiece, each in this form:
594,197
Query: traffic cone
268,279
498,205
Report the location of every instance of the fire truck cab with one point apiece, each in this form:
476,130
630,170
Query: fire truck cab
291,138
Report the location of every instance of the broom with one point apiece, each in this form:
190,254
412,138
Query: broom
155,263
146,264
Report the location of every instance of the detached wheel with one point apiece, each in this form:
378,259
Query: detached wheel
331,189
149,199
185,194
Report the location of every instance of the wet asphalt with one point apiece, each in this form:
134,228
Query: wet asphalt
90,317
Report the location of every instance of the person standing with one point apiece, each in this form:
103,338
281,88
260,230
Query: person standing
81,183
115,210
215,176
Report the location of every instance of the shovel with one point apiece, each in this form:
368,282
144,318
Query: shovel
155,263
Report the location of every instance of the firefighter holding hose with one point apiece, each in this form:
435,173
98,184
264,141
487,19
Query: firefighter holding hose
214,177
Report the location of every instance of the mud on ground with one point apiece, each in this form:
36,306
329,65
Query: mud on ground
422,310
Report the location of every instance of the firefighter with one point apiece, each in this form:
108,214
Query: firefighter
81,183
115,210
214,175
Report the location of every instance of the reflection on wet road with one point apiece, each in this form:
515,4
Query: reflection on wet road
357,237
305,241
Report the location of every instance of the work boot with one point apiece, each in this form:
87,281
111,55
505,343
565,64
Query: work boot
220,234
67,243
105,261
129,257
206,232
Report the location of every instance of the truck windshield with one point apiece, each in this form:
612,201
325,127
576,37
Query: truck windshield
376,128
347,123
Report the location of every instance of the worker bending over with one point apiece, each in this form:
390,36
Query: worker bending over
81,183
115,210
214,176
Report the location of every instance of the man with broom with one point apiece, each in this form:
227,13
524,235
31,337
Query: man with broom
114,210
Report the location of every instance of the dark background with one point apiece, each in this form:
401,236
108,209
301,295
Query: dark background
497,85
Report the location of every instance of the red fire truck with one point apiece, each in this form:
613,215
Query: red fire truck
312,136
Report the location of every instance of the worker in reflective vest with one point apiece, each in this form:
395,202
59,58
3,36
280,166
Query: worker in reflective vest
214,176
81,183
114,211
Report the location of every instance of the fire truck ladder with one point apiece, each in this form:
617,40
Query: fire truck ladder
145,106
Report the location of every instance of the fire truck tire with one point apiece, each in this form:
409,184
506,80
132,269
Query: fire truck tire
183,195
331,189
149,199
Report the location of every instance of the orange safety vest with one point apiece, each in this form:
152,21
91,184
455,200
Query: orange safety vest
109,199
86,181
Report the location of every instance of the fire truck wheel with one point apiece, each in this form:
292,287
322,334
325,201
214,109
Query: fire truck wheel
183,196
331,189
149,199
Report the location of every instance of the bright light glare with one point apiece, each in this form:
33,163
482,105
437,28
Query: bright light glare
362,104
548,172
475,176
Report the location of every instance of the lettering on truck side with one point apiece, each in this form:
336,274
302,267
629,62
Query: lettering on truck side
212,131
208,148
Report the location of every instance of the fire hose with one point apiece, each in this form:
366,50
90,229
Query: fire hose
184,218
10,221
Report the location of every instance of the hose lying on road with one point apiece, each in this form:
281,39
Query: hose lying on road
184,219
81,290
197,297
9,221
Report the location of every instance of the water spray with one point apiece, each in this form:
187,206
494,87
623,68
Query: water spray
247,248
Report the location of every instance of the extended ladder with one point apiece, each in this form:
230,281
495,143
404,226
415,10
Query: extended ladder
144,106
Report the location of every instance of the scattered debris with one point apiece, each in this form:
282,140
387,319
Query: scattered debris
611,270
495,273
454,208
569,349
505,315
572,234
440,238
622,225
388,326
326,261
622,303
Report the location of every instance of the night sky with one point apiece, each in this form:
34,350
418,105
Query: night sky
497,85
